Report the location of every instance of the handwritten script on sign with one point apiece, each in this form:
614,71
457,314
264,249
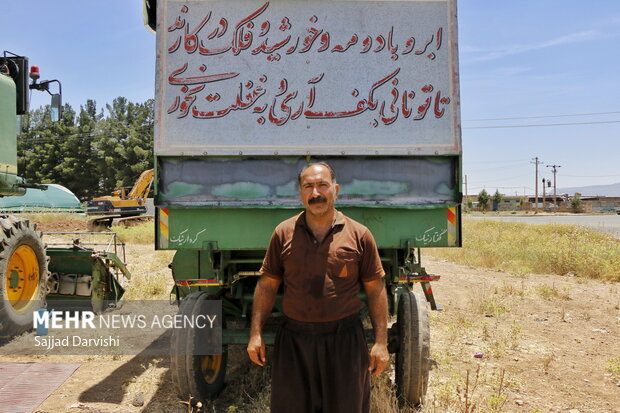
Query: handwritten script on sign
319,73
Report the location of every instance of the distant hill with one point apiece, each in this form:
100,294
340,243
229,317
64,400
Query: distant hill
593,190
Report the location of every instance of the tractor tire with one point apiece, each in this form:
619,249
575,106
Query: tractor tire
195,376
413,356
23,275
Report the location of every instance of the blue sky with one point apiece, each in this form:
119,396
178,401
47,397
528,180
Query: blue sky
535,60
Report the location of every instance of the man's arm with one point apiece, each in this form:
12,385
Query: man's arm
377,307
264,299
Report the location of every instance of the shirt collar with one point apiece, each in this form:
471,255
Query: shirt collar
338,219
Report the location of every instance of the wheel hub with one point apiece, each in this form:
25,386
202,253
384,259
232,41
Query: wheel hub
210,367
22,277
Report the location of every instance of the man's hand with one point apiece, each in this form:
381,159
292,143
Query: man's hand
256,350
377,308
379,358
264,298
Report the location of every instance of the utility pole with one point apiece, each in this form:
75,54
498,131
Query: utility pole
536,162
465,182
554,169
544,182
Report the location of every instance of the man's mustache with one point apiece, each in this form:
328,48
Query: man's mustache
317,200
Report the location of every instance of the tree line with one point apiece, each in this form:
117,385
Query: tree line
89,151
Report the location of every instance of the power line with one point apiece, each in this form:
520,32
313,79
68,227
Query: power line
506,179
541,124
591,176
493,162
502,187
494,168
544,116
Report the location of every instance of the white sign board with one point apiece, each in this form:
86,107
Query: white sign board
307,77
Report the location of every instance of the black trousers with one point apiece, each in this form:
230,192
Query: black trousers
320,368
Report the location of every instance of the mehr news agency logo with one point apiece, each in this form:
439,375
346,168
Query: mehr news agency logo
44,320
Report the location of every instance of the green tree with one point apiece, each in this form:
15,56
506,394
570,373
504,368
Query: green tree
81,160
483,199
497,199
125,145
40,146
88,152
575,203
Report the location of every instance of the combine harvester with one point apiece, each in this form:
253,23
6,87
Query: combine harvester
30,272
247,93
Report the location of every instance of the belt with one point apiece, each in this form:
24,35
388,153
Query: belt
321,327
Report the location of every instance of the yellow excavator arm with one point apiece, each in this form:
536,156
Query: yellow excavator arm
131,204
142,186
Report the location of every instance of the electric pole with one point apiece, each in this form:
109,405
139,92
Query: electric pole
554,169
544,182
465,182
536,162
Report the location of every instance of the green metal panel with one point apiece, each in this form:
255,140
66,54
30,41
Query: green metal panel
70,261
251,228
101,265
8,137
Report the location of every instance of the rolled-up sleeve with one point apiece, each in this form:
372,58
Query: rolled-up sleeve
272,263
371,267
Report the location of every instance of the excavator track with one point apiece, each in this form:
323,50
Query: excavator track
106,222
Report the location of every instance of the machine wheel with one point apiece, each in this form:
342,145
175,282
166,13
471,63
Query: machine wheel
413,356
199,377
23,275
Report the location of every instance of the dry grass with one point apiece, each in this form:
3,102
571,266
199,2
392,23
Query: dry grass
613,366
552,292
151,277
547,249
53,216
138,234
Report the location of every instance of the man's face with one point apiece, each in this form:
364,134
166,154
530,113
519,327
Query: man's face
317,191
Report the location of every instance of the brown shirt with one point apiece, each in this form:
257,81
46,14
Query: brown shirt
321,279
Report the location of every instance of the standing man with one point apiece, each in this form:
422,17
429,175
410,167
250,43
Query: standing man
321,361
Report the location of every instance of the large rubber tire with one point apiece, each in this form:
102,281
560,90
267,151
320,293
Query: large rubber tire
23,275
413,356
198,377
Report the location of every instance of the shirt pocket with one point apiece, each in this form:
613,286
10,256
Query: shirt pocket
343,264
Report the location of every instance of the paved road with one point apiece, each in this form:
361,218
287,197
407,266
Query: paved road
607,223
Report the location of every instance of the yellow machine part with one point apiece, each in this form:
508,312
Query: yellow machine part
136,196
22,277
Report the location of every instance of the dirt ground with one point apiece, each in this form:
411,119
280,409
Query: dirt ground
66,225
543,343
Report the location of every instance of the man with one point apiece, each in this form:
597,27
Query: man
321,361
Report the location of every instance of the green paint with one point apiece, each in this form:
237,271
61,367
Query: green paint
444,189
251,228
439,159
13,279
70,261
186,265
98,286
358,187
287,190
86,262
291,160
241,190
180,189
8,136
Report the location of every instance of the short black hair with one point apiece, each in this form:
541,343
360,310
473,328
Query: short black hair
324,164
